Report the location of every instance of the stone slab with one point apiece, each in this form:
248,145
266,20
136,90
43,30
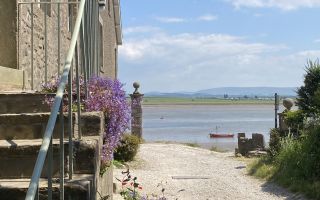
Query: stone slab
92,123
78,188
29,126
18,157
20,102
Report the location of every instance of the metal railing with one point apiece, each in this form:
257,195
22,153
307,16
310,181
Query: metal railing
83,55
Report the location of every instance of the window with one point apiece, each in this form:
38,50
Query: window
116,62
109,7
101,46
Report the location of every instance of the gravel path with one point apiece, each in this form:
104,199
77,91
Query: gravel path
198,174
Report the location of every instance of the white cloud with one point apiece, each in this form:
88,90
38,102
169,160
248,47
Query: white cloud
193,61
182,45
282,4
207,17
310,54
140,29
170,19
316,41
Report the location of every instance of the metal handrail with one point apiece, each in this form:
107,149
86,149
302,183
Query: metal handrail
33,187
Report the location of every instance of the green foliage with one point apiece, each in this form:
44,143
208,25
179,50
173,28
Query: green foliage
117,164
274,144
104,168
294,162
262,168
192,144
130,186
309,94
127,148
295,120
296,165
217,149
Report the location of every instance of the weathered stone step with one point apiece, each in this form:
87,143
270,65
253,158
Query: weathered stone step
80,188
18,157
32,125
22,103
28,126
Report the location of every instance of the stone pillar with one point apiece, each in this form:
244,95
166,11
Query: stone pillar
282,123
287,103
136,111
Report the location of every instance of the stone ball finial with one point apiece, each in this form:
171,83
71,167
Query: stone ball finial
136,86
288,103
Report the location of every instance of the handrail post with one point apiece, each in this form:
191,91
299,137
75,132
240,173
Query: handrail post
32,190
32,48
50,164
61,151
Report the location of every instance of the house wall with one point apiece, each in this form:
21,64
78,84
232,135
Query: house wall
15,40
110,46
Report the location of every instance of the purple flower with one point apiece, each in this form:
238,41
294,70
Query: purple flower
105,95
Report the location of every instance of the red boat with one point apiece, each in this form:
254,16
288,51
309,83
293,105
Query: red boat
221,135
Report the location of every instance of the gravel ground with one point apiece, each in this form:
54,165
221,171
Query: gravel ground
197,174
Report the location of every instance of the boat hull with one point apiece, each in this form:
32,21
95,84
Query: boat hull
217,135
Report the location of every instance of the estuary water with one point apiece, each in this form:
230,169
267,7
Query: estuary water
193,123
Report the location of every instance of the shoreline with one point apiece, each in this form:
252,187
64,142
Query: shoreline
223,147
204,101
207,104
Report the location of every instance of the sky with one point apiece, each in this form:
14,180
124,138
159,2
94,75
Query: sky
190,45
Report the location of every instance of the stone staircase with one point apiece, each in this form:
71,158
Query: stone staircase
23,118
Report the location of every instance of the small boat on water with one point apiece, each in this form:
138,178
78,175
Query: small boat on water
221,135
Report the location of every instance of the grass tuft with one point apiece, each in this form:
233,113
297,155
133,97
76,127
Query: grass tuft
217,149
192,144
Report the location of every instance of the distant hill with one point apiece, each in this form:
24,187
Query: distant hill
231,92
251,91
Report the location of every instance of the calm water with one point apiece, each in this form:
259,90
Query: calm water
182,123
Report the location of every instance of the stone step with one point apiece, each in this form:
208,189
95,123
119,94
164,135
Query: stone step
80,188
18,157
32,125
23,102
28,126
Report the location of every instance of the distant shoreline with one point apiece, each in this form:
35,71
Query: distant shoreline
157,101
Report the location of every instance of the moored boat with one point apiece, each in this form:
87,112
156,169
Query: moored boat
221,135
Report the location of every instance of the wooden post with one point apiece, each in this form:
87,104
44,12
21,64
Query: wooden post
276,108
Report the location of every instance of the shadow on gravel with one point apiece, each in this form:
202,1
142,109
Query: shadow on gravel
272,188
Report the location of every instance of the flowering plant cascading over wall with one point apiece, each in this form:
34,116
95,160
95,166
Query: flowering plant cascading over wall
108,96
52,86
105,95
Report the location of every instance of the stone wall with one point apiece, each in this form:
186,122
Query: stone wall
24,38
246,145
15,40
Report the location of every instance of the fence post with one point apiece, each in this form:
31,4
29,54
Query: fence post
136,111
